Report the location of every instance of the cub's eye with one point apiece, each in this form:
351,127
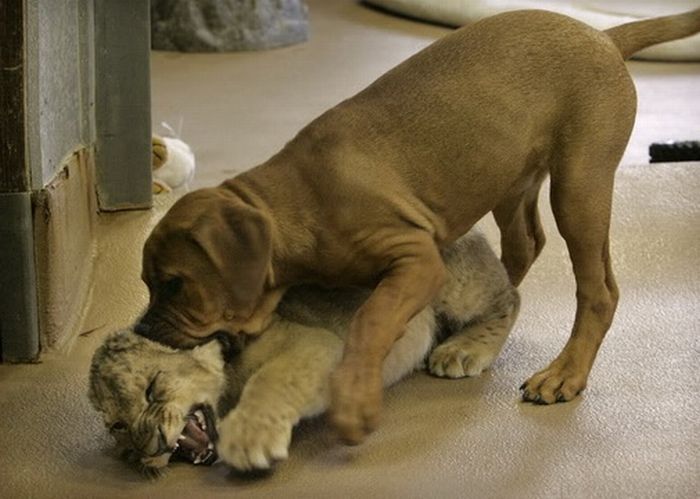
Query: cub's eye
117,426
150,391
173,285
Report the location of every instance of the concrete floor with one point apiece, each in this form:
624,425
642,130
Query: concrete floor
634,433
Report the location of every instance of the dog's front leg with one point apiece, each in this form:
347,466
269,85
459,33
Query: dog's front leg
407,287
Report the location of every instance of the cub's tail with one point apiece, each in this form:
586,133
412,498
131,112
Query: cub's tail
633,37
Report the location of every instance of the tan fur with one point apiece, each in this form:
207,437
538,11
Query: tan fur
159,155
159,152
282,376
368,192
121,371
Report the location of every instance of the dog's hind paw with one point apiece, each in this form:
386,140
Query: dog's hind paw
560,382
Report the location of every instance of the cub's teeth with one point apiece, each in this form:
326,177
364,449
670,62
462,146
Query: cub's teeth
201,419
180,438
210,446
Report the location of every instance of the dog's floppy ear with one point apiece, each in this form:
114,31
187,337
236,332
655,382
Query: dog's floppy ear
237,240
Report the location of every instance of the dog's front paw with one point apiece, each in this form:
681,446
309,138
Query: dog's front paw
461,358
253,440
560,382
356,402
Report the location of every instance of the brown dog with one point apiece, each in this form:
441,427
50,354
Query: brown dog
368,192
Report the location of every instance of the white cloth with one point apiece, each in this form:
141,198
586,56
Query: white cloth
600,14
178,170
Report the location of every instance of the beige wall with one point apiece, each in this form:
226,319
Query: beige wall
59,84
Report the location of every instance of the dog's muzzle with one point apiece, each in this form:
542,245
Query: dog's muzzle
157,328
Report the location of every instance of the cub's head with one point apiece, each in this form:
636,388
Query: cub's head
158,402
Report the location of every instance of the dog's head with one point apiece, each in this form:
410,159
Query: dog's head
205,265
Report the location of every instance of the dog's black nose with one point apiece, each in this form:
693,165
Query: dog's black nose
231,347
142,328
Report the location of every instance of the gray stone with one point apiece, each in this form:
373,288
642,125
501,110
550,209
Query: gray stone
227,25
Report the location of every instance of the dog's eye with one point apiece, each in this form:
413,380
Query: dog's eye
150,390
172,285
117,426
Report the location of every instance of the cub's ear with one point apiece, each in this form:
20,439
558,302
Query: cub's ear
237,240
210,355
122,341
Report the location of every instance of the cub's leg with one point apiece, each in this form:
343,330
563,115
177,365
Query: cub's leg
476,345
291,385
477,308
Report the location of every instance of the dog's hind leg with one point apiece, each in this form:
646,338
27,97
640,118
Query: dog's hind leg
522,237
581,196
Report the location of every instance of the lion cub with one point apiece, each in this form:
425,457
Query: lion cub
161,403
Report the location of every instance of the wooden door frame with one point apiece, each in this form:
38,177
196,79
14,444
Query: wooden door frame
117,139
19,327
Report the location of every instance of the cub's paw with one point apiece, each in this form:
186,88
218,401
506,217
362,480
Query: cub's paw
458,359
253,440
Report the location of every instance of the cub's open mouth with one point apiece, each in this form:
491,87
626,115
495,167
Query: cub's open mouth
196,443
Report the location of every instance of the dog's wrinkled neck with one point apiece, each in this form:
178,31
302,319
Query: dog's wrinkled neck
243,194
263,314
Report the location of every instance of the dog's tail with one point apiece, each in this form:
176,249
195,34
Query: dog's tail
633,37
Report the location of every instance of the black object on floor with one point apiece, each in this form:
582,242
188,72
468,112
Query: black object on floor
670,152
